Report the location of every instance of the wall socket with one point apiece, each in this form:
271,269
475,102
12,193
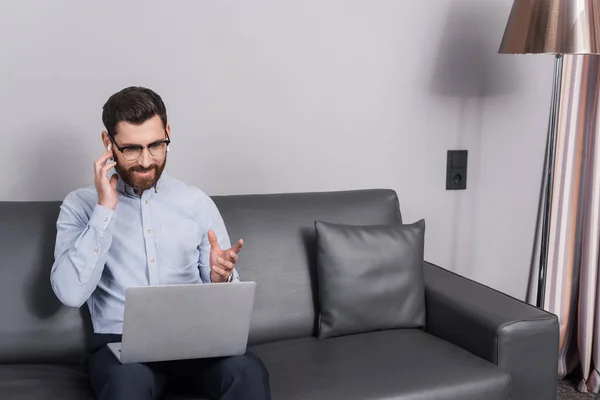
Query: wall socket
456,170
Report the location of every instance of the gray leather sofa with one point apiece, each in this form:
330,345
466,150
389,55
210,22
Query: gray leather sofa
477,344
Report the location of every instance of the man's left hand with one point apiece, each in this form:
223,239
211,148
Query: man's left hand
222,261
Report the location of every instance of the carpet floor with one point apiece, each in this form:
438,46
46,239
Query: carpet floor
567,390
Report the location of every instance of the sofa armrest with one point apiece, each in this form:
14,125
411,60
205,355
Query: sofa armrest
519,338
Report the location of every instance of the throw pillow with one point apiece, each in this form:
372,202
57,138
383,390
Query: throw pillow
369,277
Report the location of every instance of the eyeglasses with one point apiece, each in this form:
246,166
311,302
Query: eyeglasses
134,152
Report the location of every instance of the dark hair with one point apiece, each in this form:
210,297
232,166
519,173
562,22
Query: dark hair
135,105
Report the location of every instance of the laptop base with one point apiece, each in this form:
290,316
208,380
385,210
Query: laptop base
115,348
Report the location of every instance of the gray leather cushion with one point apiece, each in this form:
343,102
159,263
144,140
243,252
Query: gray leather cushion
34,326
394,364
32,382
64,382
370,277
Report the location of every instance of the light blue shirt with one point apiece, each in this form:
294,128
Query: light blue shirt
158,238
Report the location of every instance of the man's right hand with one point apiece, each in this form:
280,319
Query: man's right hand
106,188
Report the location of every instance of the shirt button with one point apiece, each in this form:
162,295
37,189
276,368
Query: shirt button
105,219
146,201
95,249
149,231
152,261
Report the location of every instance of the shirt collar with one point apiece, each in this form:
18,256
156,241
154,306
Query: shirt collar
127,190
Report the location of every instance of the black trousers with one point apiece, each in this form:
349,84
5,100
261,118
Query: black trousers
238,377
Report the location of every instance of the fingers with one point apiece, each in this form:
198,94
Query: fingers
100,161
113,181
227,265
231,256
238,246
108,166
220,271
101,167
212,239
223,268
104,156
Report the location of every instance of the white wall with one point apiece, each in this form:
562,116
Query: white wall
286,96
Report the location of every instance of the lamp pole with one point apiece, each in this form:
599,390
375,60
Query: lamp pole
549,179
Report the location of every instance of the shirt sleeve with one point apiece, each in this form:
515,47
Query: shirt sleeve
80,251
212,221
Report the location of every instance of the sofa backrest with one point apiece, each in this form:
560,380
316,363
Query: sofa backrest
279,255
34,326
280,250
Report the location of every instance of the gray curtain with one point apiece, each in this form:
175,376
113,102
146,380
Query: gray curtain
573,265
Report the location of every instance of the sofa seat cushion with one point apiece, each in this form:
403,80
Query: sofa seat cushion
41,381
393,364
30,382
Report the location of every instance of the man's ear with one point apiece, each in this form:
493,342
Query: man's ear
168,129
106,139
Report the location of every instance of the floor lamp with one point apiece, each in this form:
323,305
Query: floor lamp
557,27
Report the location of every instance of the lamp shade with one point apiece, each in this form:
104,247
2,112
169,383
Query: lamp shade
553,27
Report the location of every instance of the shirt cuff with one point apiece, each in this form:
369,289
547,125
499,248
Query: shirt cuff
101,217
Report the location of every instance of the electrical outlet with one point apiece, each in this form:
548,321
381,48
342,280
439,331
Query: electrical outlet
456,170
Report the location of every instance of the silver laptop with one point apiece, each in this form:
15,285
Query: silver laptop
176,322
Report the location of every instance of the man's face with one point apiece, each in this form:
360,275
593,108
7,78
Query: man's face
142,173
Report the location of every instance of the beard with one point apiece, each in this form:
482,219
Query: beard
141,183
